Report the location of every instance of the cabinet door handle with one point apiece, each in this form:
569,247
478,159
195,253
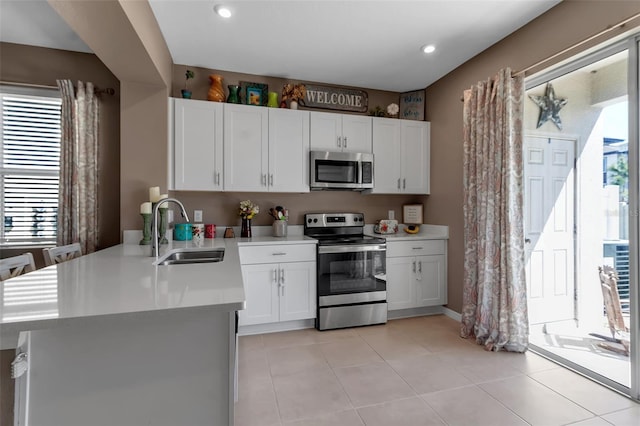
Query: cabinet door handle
404,183
282,280
276,279
398,183
417,248
218,178
271,179
279,253
345,142
264,179
413,266
339,142
420,266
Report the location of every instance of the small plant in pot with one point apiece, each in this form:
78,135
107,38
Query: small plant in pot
186,93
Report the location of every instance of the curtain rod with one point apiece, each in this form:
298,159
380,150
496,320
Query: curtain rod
97,91
620,24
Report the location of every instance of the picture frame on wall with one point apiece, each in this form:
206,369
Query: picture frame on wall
254,93
412,105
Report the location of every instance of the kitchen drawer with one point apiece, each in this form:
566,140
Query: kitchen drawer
415,248
277,253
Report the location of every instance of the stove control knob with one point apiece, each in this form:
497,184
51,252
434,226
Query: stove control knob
309,220
315,220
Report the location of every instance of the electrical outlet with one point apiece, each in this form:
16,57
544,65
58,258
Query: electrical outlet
169,215
392,214
197,215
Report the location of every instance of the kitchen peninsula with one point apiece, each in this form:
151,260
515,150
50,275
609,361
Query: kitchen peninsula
113,339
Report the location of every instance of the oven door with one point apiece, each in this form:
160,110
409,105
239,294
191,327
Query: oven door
350,274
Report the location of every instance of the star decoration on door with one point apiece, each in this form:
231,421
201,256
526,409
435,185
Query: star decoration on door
550,107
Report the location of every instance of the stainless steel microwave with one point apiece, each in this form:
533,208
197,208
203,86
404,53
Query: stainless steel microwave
340,170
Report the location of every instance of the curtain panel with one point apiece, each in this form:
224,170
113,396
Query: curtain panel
494,308
78,204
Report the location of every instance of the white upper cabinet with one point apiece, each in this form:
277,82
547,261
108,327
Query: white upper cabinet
197,163
245,148
265,149
401,150
340,132
288,150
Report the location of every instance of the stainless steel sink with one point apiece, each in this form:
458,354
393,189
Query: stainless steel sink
183,257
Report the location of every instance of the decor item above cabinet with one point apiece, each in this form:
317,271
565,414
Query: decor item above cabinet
340,132
196,158
401,150
265,149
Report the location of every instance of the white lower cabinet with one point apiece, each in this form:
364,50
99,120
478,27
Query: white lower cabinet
416,274
278,291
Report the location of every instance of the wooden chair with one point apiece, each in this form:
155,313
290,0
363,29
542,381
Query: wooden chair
16,265
613,309
61,254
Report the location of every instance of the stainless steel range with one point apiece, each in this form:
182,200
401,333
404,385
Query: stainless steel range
351,271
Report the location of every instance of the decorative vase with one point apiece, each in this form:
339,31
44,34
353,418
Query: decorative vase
186,94
146,229
273,100
216,92
293,105
234,94
245,229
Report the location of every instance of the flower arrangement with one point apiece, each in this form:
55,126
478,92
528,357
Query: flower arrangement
186,93
294,92
248,210
393,109
188,75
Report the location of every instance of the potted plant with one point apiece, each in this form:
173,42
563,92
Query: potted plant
186,93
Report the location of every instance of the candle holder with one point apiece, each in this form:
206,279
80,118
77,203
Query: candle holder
163,226
146,229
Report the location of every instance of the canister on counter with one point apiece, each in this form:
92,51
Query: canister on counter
198,231
209,230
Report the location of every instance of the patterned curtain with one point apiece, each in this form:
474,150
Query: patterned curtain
494,307
78,205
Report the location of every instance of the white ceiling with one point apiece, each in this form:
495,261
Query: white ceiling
361,43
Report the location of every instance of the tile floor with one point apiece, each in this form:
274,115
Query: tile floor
411,372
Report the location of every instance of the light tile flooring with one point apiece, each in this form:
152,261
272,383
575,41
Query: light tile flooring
411,372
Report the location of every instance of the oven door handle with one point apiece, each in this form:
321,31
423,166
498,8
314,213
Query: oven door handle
351,248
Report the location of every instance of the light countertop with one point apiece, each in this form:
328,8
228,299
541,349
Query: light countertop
427,232
123,280
119,280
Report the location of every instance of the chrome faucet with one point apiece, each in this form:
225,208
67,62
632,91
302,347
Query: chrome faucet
155,238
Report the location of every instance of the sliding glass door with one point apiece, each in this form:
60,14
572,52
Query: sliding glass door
581,214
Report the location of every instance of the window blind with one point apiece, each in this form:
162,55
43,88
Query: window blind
29,168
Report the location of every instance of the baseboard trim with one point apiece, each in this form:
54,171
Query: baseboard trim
275,327
452,314
414,312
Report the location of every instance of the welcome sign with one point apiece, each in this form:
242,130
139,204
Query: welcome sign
328,97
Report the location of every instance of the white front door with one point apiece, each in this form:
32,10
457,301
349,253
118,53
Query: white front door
549,177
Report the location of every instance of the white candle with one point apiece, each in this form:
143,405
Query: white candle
145,208
165,205
154,194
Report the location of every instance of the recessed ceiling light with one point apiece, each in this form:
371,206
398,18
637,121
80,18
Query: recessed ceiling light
223,11
430,48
